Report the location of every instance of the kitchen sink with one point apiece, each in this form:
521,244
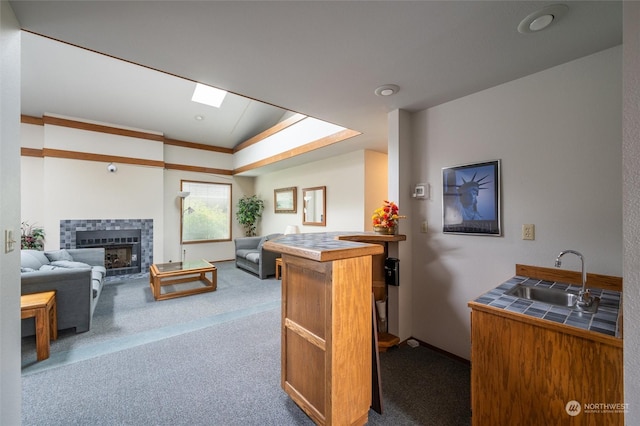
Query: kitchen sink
544,295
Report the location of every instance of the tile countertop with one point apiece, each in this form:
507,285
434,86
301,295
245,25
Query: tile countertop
329,246
604,321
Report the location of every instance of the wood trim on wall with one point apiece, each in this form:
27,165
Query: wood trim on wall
269,132
47,152
185,144
28,119
312,146
198,169
64,122
100,128
74,155
606,282
31,152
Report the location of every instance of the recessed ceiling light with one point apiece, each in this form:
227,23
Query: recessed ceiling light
387,90
541,19
208,95
541,22
199,117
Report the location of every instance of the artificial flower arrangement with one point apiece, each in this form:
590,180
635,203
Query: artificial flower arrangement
32,237
385,218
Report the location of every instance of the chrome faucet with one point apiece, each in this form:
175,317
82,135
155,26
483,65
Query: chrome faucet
584,297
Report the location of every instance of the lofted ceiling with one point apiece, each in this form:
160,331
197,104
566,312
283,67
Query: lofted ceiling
319,58
83,84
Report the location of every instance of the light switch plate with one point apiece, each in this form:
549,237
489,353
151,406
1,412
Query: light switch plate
9,242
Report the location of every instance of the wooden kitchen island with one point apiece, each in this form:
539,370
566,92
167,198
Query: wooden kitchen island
326,325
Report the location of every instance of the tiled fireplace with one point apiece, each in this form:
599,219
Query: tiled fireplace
128,243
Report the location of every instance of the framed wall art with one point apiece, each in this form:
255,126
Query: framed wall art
471,199
285,200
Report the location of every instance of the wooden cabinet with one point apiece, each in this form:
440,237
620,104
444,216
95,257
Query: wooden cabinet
326,338
326,326
378,285
378,273
526,371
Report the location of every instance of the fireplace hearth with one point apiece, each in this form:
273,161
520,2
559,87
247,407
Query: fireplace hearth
128,243
122,248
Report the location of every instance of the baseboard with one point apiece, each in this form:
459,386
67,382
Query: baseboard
441,351
213,262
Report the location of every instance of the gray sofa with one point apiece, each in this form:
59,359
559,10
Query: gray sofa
252,257
77,276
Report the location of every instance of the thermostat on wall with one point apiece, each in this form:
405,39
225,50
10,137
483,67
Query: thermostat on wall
421,190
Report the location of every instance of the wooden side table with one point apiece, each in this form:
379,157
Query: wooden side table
42,307
278,267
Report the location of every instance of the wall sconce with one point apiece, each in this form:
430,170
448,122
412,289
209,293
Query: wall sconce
112,168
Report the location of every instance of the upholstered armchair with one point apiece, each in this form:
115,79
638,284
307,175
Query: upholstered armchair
252,257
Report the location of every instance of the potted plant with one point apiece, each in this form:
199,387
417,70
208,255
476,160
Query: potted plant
249,211
32,237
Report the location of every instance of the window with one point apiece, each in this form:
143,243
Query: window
205,213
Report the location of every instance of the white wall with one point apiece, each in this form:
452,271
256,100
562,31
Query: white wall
558,134
31,177
400,303
10,385
81,189
375,175
344,177
631,209
217,251
196,157
55,189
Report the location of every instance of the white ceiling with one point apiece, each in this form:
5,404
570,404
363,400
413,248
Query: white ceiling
83,84
319,58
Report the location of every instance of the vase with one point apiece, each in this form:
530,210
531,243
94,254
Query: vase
384,230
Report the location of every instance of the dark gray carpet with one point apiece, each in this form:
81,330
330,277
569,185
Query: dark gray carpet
209,359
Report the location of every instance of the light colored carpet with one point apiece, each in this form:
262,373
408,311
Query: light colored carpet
209,359
127,315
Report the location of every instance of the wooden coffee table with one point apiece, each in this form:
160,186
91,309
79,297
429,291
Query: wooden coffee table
186,278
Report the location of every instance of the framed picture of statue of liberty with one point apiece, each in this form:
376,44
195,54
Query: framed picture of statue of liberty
471,199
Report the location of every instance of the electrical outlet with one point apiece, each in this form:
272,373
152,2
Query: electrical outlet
528,231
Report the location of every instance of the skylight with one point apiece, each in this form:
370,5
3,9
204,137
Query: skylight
208,95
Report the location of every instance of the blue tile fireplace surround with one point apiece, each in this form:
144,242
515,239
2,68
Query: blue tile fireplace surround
130,238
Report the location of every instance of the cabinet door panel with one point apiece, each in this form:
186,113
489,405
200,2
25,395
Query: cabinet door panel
305,370
306,298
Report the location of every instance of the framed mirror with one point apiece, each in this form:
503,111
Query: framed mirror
314,202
